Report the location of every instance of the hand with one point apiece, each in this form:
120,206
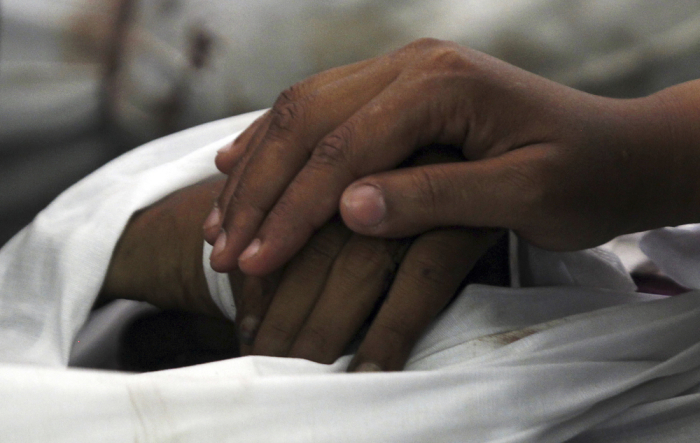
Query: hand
564,169
329,291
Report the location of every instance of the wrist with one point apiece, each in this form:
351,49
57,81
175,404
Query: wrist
663,147
158,258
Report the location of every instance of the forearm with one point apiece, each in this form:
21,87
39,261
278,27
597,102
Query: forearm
663,159
683,107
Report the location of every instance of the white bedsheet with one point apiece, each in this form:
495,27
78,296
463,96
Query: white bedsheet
582,357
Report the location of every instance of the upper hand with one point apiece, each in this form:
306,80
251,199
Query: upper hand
564,169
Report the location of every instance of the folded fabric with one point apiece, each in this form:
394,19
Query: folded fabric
545,387
676,252
579,355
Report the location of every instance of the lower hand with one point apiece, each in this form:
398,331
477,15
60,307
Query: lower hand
322,298
328,292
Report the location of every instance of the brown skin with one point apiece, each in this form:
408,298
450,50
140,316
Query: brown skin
158,258
329,290
315,307
566,170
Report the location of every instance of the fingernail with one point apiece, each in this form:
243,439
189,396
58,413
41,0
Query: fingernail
219,245
365,204
214,219
226,149
368,367
251,250
231,148
247,330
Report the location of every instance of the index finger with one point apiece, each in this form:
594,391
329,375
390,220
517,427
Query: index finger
428,278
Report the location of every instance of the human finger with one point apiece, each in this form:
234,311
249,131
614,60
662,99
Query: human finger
233,165
227,156
301,284
428,278
252,300
360,277
505,191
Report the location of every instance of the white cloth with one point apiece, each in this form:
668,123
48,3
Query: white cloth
538,364
672,249
219,286
51,271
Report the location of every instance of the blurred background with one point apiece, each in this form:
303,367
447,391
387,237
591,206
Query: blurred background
82,81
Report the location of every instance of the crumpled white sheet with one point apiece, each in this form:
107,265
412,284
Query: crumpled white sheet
538,364
671,249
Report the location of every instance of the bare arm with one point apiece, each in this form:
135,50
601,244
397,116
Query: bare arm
564,169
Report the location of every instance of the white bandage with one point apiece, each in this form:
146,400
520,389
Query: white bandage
219,286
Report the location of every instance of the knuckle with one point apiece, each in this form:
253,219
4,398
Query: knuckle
367,270
326,251
287,113
324,245
239,203
273,338
336,148
522,176
429,185
449,58
333,149
395,330
441,54
429,271
312,342
284,209
286,212
279,331
425,44
289,95
370,253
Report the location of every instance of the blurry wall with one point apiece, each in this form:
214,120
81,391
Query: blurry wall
84,80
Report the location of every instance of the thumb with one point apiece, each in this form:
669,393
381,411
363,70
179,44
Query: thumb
502,191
